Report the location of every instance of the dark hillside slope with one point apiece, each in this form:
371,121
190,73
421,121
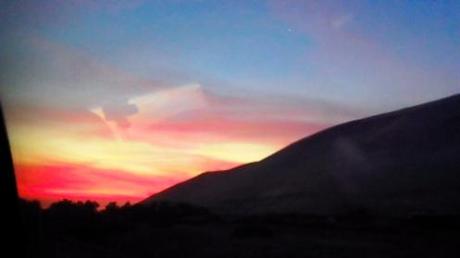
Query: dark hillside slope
396,163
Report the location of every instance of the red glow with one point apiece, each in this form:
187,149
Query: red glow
49,183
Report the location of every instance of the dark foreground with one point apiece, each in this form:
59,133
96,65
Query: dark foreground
175,230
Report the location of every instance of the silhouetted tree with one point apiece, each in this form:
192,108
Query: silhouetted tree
111,208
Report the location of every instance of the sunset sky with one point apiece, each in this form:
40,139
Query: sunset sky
117,100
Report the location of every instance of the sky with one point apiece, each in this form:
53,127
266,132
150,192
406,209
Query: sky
117,100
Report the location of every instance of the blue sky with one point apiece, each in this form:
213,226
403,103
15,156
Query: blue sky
353,52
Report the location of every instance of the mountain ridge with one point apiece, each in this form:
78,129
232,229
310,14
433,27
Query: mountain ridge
380,164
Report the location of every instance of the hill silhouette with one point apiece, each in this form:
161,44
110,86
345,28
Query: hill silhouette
397,163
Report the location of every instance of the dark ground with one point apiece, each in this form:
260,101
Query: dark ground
176,230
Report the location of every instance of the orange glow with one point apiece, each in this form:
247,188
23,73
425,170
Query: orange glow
170,134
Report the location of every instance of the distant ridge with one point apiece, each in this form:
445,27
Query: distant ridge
397,163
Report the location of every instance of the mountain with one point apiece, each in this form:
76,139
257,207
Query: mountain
402,162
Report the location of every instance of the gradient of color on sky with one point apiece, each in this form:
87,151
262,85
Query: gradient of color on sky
117,100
